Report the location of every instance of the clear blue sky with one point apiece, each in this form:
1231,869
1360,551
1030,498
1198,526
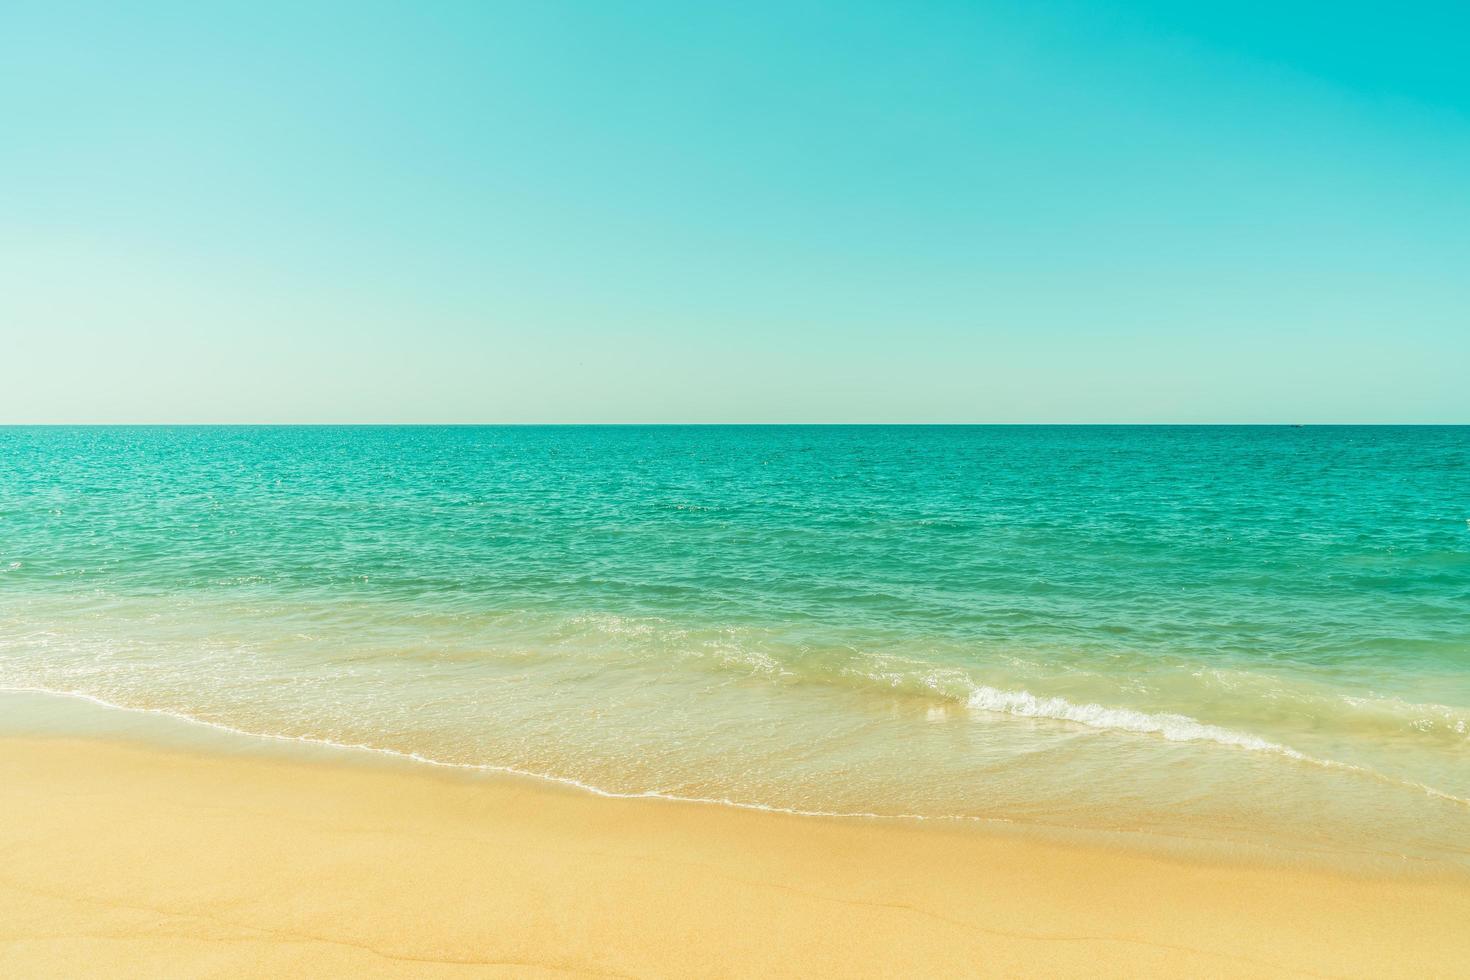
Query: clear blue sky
909,211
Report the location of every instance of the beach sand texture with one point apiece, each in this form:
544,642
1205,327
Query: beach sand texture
128,859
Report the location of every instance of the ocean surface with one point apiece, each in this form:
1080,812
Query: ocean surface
1253,635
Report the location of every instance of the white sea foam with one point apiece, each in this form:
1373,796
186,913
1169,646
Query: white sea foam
1019,703
1174,727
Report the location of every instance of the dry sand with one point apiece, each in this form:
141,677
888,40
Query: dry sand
125,859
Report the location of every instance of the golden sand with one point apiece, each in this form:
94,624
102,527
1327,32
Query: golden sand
122,859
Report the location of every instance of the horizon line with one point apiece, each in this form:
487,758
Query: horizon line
771,425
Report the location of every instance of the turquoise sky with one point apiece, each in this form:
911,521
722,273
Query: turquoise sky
538,211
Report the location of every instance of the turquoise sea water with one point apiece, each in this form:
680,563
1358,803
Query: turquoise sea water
1237,634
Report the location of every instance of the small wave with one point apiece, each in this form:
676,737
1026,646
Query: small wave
1425,718
1174,727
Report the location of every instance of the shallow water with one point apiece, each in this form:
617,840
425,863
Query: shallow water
1243,634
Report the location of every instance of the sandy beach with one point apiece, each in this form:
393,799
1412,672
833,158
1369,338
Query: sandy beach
757,490
130,859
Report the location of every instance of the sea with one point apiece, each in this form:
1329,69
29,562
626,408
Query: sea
1246,637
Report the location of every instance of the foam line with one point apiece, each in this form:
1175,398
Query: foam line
1019,703
1174,727
480,766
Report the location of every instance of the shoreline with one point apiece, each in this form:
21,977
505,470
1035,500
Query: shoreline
33,710
132,857
383,755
